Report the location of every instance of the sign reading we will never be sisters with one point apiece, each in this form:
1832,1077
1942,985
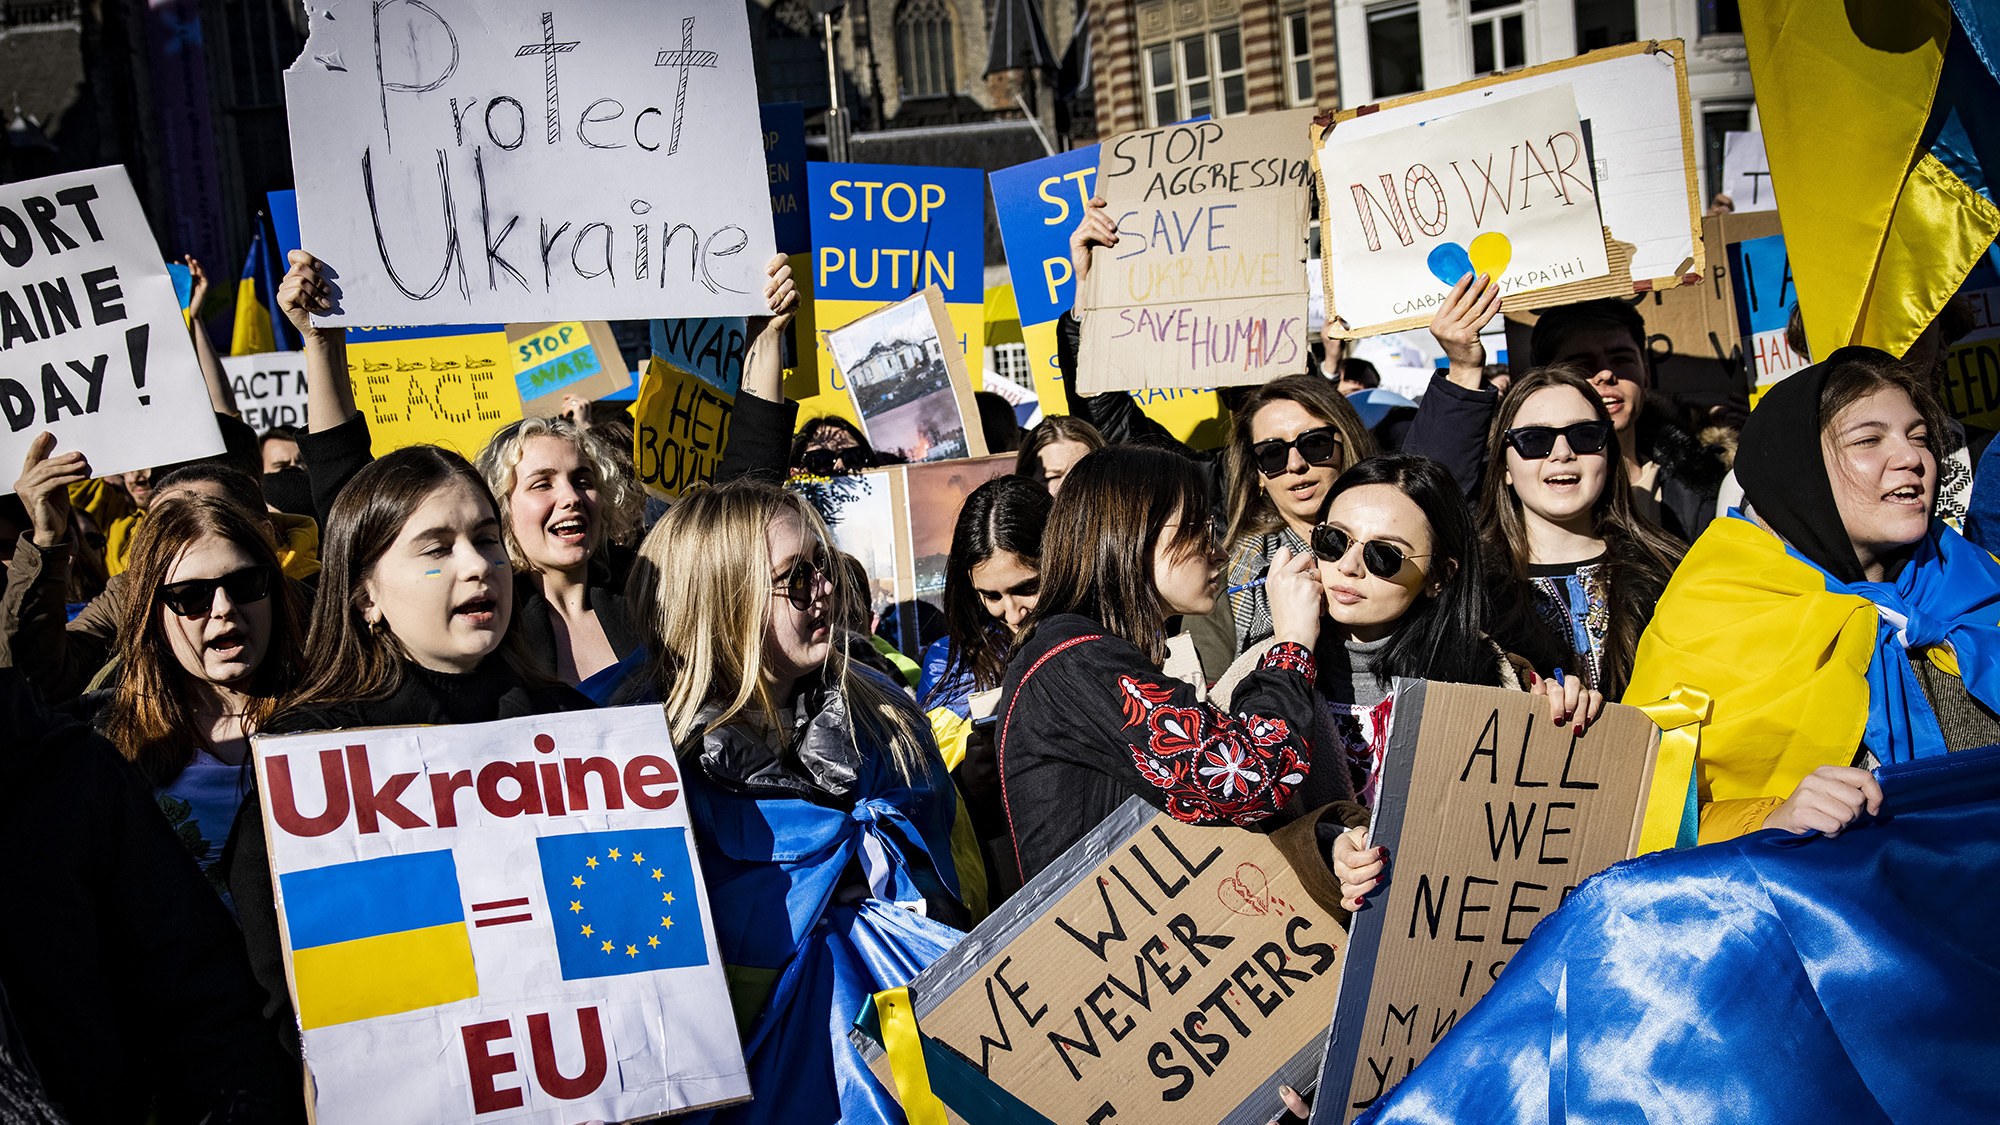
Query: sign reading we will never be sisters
506,161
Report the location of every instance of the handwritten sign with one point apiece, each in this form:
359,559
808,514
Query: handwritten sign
1158,972
496,920
530,162
1038,204
1970,383
1502,189
417,385
1492,814
711,347
92,344
553,361
1207,285
682,425
270,388
1760,275
785,167
1746,172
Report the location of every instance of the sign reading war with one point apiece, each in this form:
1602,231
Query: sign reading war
497,920
512,161
92,344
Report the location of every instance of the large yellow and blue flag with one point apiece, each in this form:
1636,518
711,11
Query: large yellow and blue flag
259,326
377,937
623,902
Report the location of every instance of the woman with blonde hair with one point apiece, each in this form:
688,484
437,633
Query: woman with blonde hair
818,798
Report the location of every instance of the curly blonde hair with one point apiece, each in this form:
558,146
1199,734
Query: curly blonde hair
621,501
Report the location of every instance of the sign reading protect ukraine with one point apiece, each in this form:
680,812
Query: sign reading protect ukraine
497,921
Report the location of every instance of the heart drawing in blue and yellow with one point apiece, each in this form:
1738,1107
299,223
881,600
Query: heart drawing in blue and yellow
377,937
1489,254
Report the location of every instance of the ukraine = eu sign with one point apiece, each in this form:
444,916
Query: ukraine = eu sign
623,902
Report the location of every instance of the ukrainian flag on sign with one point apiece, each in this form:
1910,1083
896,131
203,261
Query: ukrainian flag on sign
377,937
623,902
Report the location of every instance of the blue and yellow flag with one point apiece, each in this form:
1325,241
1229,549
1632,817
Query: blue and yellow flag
623,902
377,937
259,326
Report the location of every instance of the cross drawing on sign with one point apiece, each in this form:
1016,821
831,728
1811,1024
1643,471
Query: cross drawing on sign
549,49
684,58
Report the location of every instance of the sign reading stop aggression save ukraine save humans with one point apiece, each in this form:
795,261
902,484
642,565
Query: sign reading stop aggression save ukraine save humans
92,345
497,919
524,161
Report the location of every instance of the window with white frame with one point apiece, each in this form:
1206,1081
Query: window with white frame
923,49
1499,34
1395,51
1010,362
1299,58
1196,75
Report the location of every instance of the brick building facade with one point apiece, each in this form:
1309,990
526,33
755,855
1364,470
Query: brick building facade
1154,62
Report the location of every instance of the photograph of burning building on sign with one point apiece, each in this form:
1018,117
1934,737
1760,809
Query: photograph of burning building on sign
900,379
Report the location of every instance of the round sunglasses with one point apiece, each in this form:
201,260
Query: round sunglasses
1536,442
196,596
1317,447
1383,560
801,582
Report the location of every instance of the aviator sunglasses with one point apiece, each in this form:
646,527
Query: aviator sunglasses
825,462
1317,447
1536,442
1383,560
801,582
196,596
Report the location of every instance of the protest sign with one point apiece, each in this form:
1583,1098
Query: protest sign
1038,204
511,921
785,167
1970,384
1697,322
554,361
1760,274
711,347
270,388
1502,189
1200,292
499,161
1157,972
1492,814
680,425
92,339
1746,172
908,381
417,385
882,232
1632,105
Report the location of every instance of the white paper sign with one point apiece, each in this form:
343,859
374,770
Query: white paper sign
270,388
497,921
496,161
1504,188
1746,172
92,344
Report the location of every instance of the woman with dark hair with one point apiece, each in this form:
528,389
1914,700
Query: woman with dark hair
832,446
1053,447
1572,570
1860,628
1087,719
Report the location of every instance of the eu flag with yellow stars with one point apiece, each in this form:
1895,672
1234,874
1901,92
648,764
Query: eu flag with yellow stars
623,902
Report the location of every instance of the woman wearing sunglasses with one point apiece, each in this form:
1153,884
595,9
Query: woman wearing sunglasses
818,798
1573,570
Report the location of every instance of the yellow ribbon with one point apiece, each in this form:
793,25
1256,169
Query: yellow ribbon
905,1049
1671,816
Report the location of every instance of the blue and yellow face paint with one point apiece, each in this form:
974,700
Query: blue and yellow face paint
377,937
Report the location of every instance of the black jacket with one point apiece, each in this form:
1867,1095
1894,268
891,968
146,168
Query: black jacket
491,692
126,980
1097,723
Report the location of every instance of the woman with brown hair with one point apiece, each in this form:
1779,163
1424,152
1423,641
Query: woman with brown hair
1573,570
1053,447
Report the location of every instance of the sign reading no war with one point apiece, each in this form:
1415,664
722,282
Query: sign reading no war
510,161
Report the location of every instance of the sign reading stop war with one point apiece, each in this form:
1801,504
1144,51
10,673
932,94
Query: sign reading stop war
509,161
1207,285
1492,815
92,345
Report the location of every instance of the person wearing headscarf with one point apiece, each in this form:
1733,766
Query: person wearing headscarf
1833,620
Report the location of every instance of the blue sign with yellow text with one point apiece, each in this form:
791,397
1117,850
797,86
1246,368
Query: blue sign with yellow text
882,232
1039,203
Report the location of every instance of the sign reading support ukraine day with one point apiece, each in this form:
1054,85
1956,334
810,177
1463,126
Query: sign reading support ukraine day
497,919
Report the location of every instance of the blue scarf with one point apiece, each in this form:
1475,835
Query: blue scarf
1948,593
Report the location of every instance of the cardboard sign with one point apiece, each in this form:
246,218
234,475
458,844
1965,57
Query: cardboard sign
554,361
680,426
495,920
1761,279
1502,189
93,347
711,347
1157,972
1698,321
418,386
270,388
785,167
1970,386
1632,102
1746,172
1492,814
908,381
500,160
1038,204
1207,285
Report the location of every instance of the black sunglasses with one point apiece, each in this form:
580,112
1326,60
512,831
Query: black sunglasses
1317,447
825,462
801,582
1383,560
196,596
1537,442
